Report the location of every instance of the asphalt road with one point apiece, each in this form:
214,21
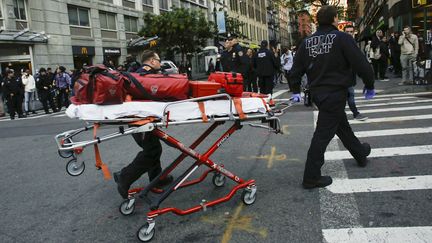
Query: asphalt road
40,202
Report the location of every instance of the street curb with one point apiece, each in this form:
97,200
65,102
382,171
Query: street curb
407,89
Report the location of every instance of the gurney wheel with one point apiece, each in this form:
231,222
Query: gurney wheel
73,169
66,154
247,198
143,236
218,180
124,208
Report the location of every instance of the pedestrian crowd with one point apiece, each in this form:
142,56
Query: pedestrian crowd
261,69
20,88
405,52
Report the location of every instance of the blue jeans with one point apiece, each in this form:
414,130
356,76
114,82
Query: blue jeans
351,101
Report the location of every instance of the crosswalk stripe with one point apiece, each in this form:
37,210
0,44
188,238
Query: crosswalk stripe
395,103
382,152
360,91
399,95
409,108
382,184
392,119
390,132
379,234
61,115
362,100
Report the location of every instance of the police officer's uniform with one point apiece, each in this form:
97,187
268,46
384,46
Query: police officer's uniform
329,57
147,160
234,60
265,64
13,91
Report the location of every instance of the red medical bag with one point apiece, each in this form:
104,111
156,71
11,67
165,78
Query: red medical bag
98,85
203,88
231,82
157,86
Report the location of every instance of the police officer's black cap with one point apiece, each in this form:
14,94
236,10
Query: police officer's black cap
42,70
232,36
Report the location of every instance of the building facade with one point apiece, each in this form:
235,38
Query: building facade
392,15
252,15
48,33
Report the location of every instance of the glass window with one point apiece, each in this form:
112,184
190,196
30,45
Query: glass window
163,4
107,20
148,2
78,16
19,9
131,24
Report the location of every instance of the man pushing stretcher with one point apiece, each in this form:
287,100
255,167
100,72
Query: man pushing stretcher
147,160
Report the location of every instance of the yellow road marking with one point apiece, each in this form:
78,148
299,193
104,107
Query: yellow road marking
285,130
270,158
228,232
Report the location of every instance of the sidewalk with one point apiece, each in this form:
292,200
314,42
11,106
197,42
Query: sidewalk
393,87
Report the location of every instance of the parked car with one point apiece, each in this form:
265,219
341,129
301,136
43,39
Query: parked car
169,67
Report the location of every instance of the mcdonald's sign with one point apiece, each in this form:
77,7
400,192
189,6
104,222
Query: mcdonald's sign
153,43
418,3
83,50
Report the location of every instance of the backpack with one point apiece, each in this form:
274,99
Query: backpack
98,85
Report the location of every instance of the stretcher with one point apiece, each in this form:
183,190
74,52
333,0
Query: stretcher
128,118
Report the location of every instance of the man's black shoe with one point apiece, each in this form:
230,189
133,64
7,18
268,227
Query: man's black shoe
363,162
323,181
122,189
166,181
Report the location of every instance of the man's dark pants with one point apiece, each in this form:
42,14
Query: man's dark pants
332,120
266,84
147,160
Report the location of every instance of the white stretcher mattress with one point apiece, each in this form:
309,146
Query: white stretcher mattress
178,112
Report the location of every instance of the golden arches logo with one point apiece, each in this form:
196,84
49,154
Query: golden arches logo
153,43
84,50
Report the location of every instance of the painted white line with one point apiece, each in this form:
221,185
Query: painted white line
392,132
382,184
399,95
396,103
382,235
347,211
407,108
360,91
61,115
382,152
362,100
279,93
392,119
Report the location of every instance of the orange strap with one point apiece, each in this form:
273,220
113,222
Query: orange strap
265,104
202,109
143,122
99,163
239,108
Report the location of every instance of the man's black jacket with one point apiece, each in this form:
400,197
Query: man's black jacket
329,57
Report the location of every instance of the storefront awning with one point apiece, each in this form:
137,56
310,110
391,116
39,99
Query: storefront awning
23,36
143,42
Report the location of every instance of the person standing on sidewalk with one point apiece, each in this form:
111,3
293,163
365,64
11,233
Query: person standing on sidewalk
62,83
395,52
44,87
287,62
29,92
349,29
2,110
329,57
409,50
13,92
265,65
